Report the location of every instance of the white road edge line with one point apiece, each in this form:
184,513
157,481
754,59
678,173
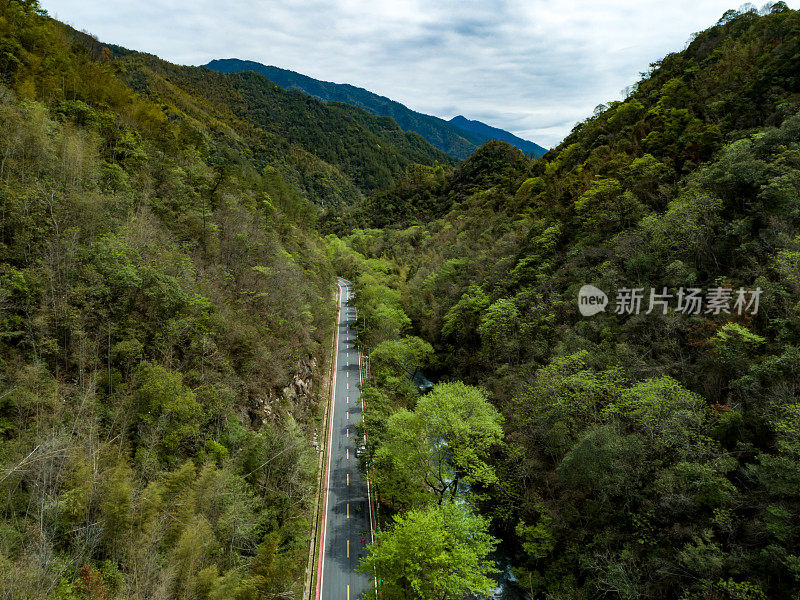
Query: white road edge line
372,523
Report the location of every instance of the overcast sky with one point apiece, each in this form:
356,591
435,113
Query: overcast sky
533,67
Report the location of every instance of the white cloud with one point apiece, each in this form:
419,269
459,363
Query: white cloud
534,67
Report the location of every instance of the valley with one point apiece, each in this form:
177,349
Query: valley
279,338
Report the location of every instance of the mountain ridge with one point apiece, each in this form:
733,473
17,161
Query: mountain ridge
495,133
444,135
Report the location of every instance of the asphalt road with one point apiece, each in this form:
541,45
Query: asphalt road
347,510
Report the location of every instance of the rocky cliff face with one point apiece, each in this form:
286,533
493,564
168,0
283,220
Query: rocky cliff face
296,397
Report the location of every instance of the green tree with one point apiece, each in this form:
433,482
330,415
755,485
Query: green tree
444,441
437,553
499,327
398,357
460,324
116,507
168,412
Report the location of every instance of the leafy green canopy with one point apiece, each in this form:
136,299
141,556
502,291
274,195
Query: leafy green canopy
425,455
439,552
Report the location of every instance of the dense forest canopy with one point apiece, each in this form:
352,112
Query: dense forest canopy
331,152
644,455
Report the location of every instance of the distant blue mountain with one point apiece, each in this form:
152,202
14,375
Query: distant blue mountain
458,137
479,128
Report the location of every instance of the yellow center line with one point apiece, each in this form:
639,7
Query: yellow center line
348,385
347,415
348,592
348,510
348,454
348,479
348,374
348,432
348,399
348,548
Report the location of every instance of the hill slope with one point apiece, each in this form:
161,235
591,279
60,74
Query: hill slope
449,137
165,306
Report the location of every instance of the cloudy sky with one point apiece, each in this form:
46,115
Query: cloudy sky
533,67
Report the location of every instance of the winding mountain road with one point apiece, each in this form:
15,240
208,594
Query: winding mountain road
347,524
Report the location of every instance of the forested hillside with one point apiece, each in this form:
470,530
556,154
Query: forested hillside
331,153
165,305
643,455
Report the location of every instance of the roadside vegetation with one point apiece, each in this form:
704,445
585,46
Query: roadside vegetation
422,454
